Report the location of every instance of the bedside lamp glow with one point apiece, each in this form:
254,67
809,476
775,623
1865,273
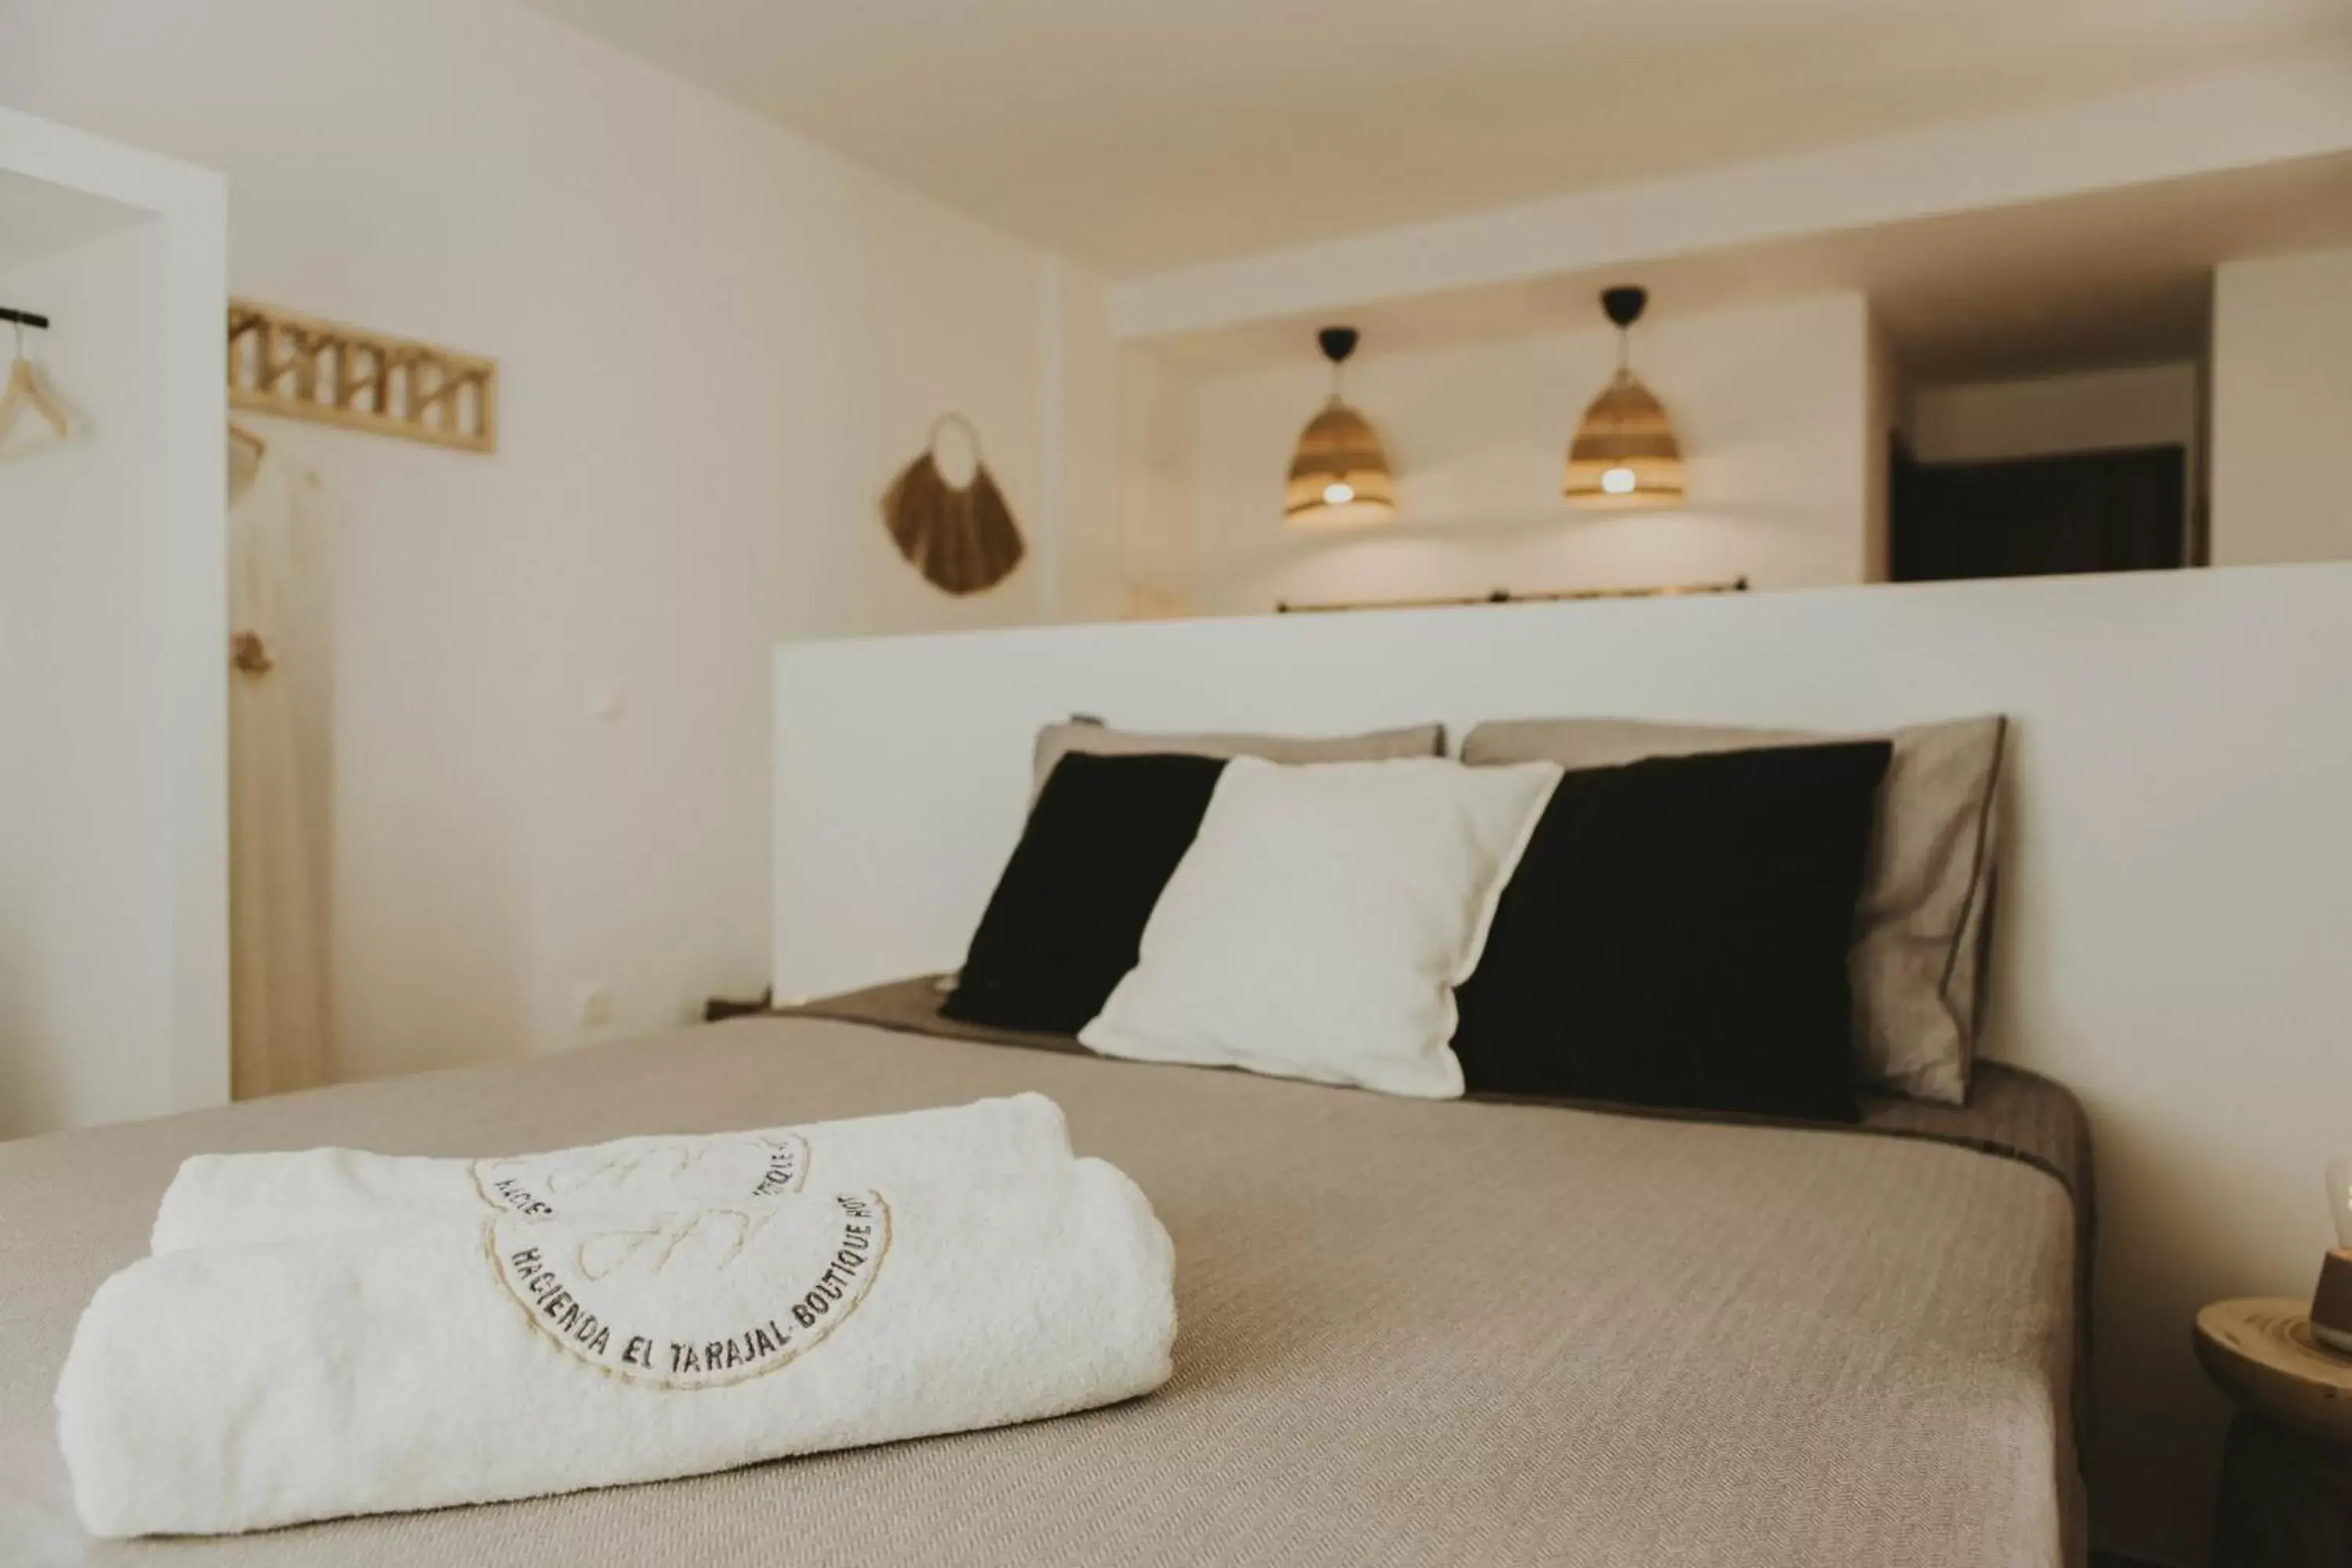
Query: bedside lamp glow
2331,1303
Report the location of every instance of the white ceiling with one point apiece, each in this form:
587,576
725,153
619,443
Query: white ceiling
2115,278
1143,134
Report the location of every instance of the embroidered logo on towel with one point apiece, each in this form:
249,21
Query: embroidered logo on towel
647,1173
698,1298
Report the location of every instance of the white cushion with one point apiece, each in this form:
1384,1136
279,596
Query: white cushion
1320,921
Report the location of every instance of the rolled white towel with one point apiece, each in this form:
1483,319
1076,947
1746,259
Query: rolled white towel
219,1200
237,1388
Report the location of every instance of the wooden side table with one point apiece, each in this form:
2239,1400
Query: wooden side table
2286,1472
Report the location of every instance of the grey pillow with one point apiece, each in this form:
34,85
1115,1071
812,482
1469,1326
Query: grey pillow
1917,961
1056,740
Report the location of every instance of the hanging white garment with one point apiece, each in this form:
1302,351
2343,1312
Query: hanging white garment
277,947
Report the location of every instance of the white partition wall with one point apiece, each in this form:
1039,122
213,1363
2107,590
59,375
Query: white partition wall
2174,931
2281,404
113,635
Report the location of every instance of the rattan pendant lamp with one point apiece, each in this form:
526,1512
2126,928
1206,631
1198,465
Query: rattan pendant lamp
1624,453
1339,474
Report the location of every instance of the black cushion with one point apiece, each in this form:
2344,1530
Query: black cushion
1676,935
1067,919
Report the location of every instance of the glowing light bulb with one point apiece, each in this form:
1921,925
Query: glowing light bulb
1338,493
1618,481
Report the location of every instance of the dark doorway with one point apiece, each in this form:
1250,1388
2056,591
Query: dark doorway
2032,517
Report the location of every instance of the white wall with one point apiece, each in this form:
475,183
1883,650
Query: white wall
1085,576
113,818
1769,404
1159,462
2175,954
2283,409
719,343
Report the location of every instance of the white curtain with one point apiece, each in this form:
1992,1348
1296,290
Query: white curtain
278,951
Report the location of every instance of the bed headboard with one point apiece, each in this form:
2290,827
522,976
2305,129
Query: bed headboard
2174,936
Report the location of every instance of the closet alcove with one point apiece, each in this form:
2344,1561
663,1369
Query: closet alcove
113,772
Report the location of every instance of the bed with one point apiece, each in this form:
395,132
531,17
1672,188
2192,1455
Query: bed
1411,1331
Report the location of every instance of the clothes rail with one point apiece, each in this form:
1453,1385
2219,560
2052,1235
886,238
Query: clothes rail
1505,596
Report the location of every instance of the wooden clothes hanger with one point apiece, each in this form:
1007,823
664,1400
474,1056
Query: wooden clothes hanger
23,391
246,453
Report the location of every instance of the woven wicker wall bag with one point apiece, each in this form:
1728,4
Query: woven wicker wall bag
962,539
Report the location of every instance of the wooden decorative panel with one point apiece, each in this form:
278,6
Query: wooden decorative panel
305,368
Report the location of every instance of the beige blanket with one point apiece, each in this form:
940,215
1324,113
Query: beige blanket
1409,1332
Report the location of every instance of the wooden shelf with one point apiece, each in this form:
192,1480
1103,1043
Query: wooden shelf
304,367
